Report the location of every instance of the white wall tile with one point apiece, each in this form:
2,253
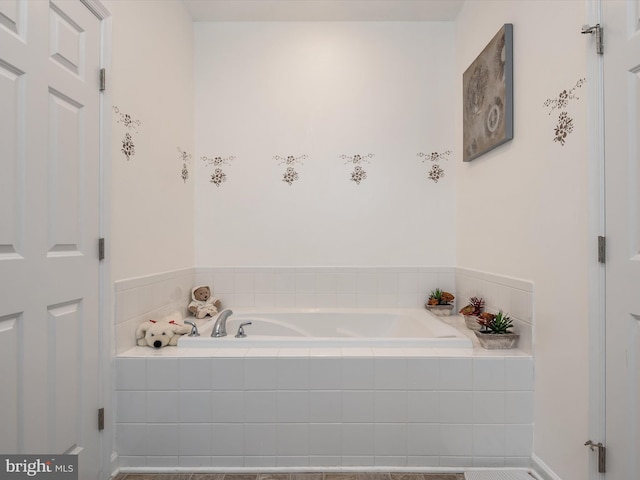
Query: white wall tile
161,461
367,283
488,373
325,373
131,373
423,439
292,439
260,373
127,461
456,441
456,407
423,373
162,407
325,439
195,439
227,406
421,461
519,407
518,440
260,440
264,282
488,407
423,407
260,462
260,406
390,406
489,440
161,439
358,406
390,439
131,406
162,374
519,373
227,461
293,406
292,373
227,374
194,373
227,439
456,374
346,283
285,283
325,406
131,439
391,373
358,373
194,461
488,462
357,439
195,406
285,300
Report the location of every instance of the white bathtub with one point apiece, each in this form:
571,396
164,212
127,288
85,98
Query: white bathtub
344,327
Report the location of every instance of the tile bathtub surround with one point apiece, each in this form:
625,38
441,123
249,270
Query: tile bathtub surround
425,410
511,295
329,287
140,299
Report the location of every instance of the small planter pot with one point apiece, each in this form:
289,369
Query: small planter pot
440,310
471,322
493,341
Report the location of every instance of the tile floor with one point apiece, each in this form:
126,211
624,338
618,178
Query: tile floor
293,476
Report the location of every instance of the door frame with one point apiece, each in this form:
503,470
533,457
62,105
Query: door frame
596,213
106,394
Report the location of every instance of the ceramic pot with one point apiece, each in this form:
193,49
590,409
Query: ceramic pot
493,341
471,321
440,310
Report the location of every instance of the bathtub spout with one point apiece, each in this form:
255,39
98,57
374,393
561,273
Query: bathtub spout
220,327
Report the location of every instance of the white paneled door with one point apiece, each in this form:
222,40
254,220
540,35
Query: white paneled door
49,225
621,20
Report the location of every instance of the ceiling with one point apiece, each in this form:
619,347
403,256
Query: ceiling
322,10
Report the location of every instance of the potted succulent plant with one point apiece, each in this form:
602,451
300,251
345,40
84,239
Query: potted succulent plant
494,332
471,311
440,302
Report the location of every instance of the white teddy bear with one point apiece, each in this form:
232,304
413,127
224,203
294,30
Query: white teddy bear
160,333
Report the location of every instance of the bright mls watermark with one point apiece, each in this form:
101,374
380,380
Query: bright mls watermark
49,467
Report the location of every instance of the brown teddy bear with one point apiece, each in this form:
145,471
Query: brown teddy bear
202,303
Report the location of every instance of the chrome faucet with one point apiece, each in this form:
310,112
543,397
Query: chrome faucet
194,329
220,327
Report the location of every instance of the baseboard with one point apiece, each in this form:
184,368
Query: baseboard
115,469
542,469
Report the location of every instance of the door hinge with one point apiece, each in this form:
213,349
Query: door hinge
602,249
101,419
602,455
101,249
597,29
103,79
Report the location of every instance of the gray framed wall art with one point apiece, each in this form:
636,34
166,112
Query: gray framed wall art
487,120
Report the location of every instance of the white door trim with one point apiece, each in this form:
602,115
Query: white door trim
108,460
596,208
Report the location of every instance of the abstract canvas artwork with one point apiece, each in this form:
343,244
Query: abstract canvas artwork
488,97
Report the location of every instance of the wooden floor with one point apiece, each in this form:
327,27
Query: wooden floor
292,476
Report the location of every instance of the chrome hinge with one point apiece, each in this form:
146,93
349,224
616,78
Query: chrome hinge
602,249
597,29
103,79
602,455
101,419
101,249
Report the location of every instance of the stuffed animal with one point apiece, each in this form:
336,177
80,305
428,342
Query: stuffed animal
160,333
202,303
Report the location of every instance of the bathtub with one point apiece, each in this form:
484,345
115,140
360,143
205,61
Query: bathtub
325,327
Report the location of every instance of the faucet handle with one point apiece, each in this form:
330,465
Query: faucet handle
241,333
194,329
